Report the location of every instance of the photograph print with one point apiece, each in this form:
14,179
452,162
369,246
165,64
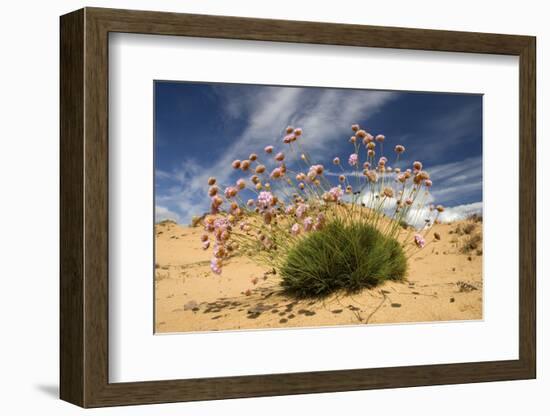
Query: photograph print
297,207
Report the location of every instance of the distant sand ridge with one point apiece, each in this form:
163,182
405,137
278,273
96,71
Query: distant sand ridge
444,283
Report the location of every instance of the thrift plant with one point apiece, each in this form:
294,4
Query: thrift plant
322,231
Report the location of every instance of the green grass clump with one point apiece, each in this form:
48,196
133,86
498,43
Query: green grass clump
347,257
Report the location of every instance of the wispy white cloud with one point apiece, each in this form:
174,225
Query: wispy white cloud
457,180
449,132
161,174
418,215
329,118
186,195
470,166
453,182
163,213
461,212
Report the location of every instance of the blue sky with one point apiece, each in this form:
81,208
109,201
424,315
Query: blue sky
200,128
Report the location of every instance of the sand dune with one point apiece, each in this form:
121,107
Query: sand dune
444,283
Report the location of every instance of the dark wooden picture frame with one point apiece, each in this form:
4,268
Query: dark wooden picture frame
84,207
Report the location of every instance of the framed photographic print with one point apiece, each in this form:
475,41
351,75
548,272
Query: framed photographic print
256,207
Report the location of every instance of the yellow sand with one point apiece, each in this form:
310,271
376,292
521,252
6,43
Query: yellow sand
442,284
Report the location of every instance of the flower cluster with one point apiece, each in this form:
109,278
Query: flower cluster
221,229
419,240
334,194
283,196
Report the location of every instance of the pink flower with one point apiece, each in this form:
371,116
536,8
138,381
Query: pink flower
355,127
216,201
295,229
216,265
260,169
230,192
428,183
265,200
219,251
222,226
371,175
245,164
301,210
353,159
419,241
221,223
236,164
209,226
417,165
367,139
320,222
420,176
250,202
276,173
336,160
289,129
241,184
308,224
280,156
205,245
399,149
268,149
380,138
289,138
213,190
336,193
315,170
298,132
